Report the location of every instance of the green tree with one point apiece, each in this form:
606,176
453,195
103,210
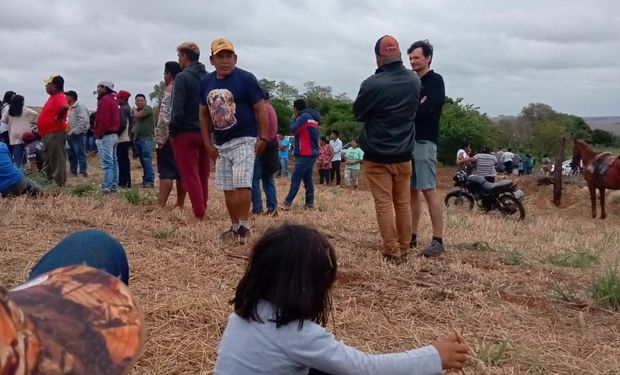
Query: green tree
284,111
158,91
547,136
463,123
286,92
268,85
604,138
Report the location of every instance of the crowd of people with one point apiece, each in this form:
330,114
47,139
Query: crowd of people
488,164
282,303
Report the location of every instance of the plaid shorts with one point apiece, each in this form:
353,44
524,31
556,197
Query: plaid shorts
235,164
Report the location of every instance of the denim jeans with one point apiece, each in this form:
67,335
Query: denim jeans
90,142
106,147
93,248
77,153
18,155
284,168
303,172
269,186
144,147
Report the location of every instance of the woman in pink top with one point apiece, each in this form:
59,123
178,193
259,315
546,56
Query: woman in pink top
18,119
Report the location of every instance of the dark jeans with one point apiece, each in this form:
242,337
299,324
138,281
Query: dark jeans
508,167
90,145
124,166
335,172
77,154
303,172
93,248
269,186
324,175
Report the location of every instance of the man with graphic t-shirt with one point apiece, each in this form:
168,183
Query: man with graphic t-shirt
235,129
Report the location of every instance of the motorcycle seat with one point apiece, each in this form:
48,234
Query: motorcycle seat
490,187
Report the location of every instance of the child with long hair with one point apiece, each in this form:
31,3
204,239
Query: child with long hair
282,305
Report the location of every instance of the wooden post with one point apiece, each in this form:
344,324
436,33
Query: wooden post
557,174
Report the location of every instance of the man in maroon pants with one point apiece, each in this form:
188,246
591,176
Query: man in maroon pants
187,142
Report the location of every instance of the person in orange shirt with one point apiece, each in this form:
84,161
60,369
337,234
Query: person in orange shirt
52,124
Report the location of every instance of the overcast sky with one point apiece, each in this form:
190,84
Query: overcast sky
498,55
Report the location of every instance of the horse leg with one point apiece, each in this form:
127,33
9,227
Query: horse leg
602,192
592,190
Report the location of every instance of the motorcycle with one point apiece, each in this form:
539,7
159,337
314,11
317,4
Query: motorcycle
502,196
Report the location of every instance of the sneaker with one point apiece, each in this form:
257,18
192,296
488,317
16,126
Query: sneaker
285,207
84,174
434,249
73,174
229,235
242,235
148,185
413,243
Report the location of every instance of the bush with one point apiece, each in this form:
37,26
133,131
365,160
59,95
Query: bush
83,190
575,257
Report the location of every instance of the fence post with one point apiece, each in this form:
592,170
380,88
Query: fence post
557,174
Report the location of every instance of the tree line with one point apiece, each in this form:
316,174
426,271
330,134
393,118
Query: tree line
535,130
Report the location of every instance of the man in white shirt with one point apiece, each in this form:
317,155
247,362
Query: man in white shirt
336,144
508,158
79,122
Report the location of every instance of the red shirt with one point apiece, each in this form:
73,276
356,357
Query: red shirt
47,122
108,117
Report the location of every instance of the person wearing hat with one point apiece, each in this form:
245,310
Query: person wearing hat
52,126
424,177
386,104
75,314
78,126
107,126
124,139
236,130
188,145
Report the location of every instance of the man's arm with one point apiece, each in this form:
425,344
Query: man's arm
62,113
433,99
205,129
177,114
337,146
362,106
263,126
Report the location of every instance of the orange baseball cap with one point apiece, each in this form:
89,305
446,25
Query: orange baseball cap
221,44
73,320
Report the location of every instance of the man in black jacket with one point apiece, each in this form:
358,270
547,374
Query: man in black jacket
424,177
387,103
187,141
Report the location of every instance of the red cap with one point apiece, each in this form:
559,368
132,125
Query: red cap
387,46
123,94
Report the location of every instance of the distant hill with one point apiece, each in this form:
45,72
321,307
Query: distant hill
609,123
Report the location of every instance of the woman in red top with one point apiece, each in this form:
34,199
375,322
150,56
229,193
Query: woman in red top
324,162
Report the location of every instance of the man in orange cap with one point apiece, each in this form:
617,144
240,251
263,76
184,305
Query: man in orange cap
236,130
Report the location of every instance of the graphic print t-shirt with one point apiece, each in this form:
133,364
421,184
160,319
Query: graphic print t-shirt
231,104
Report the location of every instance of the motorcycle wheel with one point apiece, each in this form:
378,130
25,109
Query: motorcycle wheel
511,207
459,201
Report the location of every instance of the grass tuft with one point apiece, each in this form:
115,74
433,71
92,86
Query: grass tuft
165,233
606,289
575,257
494,353
82,190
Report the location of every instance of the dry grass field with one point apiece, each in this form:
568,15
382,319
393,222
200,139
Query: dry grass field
519,291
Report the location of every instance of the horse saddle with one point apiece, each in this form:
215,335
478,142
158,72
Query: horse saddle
602,162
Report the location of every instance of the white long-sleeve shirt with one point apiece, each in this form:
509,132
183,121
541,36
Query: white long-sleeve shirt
337,146
251,348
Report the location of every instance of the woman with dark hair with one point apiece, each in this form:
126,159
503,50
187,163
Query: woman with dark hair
4,127
282,305
485,164
18,119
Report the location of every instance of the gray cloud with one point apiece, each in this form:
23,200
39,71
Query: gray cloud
498,55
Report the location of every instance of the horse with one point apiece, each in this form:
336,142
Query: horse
601,171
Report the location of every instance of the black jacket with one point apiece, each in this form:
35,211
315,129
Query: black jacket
186,100
387,103
429,112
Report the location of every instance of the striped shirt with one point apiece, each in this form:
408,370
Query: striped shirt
485,165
